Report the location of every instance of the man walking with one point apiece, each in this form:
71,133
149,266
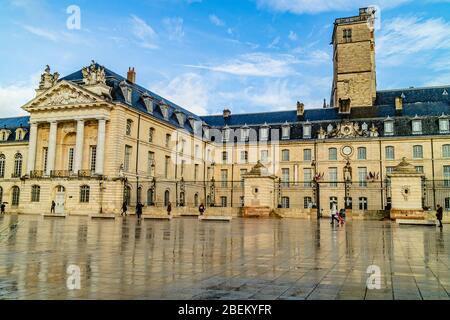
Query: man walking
52,208
440,214
2,208
334,212
139,207
124,208
201,209
169,208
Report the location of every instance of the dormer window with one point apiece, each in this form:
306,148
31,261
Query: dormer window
444,124
226,134
20,134
148,101
245,133
264,133
206,132
4,134
285,131
126,91
389,127
307,130
417,125
180,117
164,110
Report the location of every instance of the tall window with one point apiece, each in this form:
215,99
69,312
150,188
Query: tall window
2,165
151,134
127,159
35,193
347,35
244,156
166,167
446,151
333,176
447,204
197,151
168,137
243,172
93,158
151,164
150,196
224,178
15,196
264,134
44,159
444,126
390,153
129,126
285,177
264,156
84,194
389,128
285,202
245,134
18,165
417,126
307,155
307,177
447,176
363,203
183,165
332,154
70,160
196,172
307,202
196,204
285,132
223,202
127,194
362,153
362,176
417,152
285,155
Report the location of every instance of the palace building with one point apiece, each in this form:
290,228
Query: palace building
94,139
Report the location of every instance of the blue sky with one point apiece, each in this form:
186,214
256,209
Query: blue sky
247,55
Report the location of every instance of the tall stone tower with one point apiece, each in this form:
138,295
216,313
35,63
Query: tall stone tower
354,83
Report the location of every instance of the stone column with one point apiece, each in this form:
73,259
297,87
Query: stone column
99,165
32,147
79,147
51,155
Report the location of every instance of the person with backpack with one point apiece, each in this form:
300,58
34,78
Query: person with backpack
440,215
201,209
341,216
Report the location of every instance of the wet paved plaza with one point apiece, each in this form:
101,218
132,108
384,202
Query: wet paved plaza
245,259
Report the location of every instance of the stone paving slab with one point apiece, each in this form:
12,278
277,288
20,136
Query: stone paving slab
186,259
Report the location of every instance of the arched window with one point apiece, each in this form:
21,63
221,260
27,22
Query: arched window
2,165
35,193
15,196
150,195
129,126
18,165
208,200
196,204
182,199
84,194
127,195
166,198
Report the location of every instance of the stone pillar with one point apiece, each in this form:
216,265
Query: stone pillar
99,165
32,147
78,165
406,192
51,147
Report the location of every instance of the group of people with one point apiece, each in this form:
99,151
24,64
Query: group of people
339,216
139,207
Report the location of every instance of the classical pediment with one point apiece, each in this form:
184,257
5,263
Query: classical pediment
64,94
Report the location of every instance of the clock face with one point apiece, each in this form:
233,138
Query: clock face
347,151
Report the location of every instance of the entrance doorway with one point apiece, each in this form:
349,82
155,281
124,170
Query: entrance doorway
60,197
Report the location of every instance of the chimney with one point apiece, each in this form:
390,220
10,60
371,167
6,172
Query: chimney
324,103
398,104
131,75
226,113
300,109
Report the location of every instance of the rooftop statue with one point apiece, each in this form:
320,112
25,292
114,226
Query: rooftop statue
48,80
93,74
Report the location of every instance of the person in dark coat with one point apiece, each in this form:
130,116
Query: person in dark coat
440,215
52,209
2,208
124,208
169,208
139,207
201,209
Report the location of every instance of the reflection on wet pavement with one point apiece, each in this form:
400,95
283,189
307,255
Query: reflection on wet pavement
244,259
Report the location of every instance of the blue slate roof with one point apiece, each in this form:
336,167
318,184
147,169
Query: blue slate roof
113,80
12,124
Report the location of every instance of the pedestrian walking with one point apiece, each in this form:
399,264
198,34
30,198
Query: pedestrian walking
52,209
440,215
139,207
334,212
169,208
2,208
201,209
341,216
124,208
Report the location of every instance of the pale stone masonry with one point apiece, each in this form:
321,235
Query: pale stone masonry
95,139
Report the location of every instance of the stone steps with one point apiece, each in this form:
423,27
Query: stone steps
431,223
215,218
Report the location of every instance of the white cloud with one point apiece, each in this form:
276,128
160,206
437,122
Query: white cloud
216,20
317,6
174,27
14,96
274,43
188,90
43,33
293,36
256,65
144,33
405,36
